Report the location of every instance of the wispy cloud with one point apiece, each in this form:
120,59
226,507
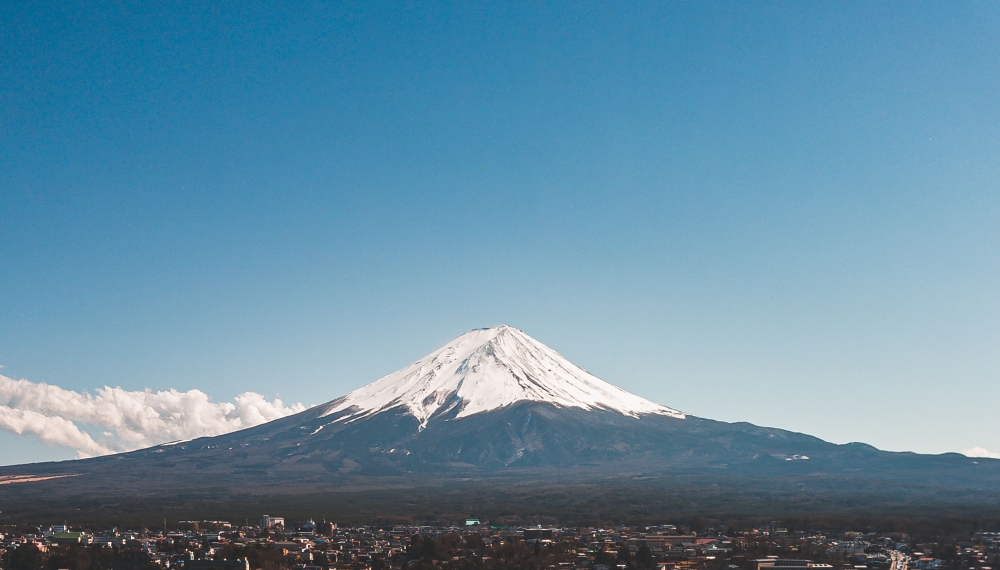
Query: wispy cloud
126,419
980,452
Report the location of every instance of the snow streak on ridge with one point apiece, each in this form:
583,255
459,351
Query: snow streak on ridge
486,369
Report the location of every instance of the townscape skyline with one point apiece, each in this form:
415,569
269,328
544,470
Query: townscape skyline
703,544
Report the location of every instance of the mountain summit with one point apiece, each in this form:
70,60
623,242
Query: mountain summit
485,370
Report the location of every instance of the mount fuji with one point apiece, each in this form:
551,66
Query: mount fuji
496,405
485,370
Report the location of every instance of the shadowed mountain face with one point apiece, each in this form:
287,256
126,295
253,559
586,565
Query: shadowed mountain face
499,407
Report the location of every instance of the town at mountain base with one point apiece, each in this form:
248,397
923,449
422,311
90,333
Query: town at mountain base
499,407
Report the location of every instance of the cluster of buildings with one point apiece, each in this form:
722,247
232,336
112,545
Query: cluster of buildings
274,545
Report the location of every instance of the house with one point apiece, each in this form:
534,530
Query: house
68,538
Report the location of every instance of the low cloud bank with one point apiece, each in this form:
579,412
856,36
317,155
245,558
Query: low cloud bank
126,420
980,452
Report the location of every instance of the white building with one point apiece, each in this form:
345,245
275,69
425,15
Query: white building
267,521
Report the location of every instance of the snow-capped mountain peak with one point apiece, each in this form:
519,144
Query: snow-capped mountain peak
486,369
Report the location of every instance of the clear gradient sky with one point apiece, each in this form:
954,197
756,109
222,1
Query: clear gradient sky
784,213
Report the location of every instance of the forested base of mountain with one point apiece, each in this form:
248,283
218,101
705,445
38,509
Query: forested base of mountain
519,502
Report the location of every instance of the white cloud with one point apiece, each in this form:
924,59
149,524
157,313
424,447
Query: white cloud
126,419
980,452
50,430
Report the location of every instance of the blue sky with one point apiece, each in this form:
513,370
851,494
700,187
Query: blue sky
784,213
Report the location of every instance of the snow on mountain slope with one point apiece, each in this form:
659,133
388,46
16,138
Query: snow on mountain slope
486,369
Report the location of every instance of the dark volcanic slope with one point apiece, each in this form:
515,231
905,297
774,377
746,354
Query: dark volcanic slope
530,440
